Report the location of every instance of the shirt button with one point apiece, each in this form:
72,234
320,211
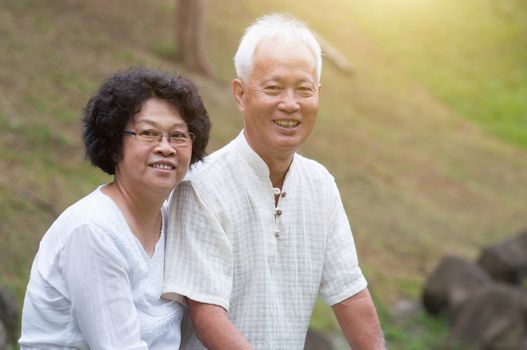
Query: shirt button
277,233
278,212
284,194
276,191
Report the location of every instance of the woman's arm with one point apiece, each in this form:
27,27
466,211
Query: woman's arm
101,296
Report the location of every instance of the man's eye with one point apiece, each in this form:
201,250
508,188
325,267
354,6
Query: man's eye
273,89
306,90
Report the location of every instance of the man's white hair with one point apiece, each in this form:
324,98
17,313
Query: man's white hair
277,26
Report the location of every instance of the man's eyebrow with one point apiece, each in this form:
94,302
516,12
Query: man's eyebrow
271,79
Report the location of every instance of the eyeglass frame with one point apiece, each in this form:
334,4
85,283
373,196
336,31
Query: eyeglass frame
139,135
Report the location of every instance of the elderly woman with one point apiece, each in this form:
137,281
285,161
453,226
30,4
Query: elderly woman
97,277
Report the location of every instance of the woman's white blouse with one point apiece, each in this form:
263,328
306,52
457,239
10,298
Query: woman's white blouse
93,286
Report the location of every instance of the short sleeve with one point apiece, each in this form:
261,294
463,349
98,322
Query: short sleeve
342,276
101,298
199,259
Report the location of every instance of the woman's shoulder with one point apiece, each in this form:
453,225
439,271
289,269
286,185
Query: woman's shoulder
94,209
95,214
94,218
103,218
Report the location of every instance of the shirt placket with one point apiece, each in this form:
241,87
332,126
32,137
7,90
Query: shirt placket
278,212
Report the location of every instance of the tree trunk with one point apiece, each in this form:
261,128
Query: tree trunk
190,34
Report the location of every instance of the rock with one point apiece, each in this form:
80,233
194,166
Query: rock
316,340
9,315
3,337
451,284
493,319
405,309
507,261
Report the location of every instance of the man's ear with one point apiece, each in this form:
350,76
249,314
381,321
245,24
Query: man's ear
238,91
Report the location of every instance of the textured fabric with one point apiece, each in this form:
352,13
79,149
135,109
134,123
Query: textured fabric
93,286
229,245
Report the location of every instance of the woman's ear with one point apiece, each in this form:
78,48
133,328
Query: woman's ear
238,91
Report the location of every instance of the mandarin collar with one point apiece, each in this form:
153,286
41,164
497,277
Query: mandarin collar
253,159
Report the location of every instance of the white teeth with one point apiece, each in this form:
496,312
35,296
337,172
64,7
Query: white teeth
162,166
286,123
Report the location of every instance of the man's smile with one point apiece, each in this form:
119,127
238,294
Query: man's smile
287,123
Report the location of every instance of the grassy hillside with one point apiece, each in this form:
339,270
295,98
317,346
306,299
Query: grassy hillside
472,55
421,171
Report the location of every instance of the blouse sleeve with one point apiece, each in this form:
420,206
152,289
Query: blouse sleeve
100,291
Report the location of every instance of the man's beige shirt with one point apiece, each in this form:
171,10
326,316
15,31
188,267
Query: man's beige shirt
229,245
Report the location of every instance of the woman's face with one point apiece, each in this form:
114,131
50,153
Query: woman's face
156,166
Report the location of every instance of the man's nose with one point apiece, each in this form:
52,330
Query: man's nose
289,101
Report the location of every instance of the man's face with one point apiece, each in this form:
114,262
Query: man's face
279,99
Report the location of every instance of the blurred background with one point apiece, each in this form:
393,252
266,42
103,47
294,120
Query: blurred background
423,123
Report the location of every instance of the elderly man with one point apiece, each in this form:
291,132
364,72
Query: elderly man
262,230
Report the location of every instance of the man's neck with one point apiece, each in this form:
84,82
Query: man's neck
278,169
277,162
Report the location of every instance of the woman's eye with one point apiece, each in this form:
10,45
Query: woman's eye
149,133
178,135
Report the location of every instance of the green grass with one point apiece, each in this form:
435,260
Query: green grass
471,55
415,331
420,331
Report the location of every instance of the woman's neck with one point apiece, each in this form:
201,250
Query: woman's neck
142,213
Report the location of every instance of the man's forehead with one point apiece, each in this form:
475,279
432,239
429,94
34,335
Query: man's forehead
280,78
276,42
269,53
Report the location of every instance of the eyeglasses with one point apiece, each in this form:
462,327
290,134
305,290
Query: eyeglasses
176,138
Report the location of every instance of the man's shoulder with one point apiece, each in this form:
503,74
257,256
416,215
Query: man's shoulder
213,165
215,175
312,167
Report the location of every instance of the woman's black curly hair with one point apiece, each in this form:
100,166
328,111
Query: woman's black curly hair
121,97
